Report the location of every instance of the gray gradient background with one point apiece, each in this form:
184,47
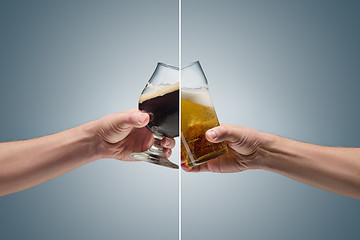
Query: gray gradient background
286,67
64,63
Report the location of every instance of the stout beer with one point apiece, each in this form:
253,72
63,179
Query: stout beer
197,116
163,108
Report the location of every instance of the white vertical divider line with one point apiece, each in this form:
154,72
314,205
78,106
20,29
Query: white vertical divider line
180,217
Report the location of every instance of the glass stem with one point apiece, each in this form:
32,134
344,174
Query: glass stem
157,148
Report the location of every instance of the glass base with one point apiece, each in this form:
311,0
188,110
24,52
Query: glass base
154,158
155,154
206,158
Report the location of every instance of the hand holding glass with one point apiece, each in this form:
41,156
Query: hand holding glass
160,98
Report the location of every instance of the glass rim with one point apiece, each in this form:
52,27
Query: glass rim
177,68
168,66
191,64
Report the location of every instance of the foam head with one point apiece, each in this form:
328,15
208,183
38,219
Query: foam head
200,96
161,91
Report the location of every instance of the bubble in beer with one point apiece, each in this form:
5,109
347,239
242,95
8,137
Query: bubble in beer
197,116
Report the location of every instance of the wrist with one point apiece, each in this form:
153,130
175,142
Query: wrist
266,150
90,136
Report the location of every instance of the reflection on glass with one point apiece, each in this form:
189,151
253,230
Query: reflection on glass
160,98
197,116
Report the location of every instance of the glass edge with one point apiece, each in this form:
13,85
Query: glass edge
168,66
191,64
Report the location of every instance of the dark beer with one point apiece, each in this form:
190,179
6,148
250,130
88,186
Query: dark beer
163,108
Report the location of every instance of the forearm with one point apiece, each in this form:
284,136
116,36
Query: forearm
25,164
330,168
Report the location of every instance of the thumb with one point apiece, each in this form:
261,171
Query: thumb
241,139
119,125
135,119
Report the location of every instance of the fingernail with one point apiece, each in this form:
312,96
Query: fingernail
142,118
211,134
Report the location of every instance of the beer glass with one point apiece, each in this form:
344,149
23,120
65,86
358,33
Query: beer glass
197,116
160,99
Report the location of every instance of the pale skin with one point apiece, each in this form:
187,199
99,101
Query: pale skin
24,164
334,169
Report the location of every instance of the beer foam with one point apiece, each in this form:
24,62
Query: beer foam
200,96
160,92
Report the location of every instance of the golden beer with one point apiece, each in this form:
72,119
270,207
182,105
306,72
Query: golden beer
197,116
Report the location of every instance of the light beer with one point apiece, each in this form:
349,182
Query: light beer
197,116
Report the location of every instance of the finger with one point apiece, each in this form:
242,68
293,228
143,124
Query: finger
242,140
129,119
182,159
167,152
185,167
168,142
138,119
117,126
196,169
221,133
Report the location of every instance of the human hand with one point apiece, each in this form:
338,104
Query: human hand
120,134
244,146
